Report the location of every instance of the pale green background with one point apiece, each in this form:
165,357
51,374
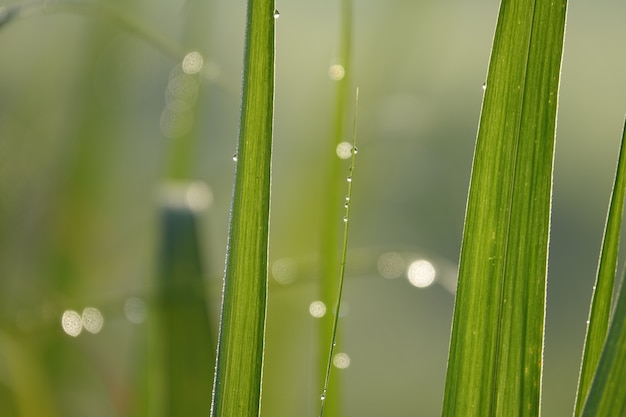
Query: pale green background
420,67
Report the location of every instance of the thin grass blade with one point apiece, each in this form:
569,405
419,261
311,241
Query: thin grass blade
342,271
607,396
237,387
495,359
331,222
605,282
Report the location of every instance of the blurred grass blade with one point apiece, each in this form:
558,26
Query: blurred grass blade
605,282
607,396
495,359
237,390
186,340
31,386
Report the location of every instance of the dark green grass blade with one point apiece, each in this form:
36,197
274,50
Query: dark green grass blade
237,390
186,341
495,360
605,282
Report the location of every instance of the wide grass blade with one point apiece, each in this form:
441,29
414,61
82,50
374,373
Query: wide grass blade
605,282
237,387
495,359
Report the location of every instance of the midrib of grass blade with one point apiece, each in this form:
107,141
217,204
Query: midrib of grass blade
331,226
237,386
603,369
495,360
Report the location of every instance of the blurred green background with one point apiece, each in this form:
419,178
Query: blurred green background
97,115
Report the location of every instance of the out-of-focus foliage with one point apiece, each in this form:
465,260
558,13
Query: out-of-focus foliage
90,116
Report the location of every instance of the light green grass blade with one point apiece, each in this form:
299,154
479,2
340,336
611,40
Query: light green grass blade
342,270
605,282
237,388
495,360
332,212
607,397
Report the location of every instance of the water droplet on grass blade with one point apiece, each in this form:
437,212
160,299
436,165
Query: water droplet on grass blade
341,360
349,179
92,320
72,323
317,309
235,157
276,14
344,150
345,219
192,63
421,273
336,72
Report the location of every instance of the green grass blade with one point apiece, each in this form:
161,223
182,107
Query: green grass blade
186,339
331,221
495,359
605,282
607,396
237,388
342,269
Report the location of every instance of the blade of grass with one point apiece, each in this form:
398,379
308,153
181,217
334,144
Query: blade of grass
600,310
186,338
237,386
331,227
495,359
607,396
342,270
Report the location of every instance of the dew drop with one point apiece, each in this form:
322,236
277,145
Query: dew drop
484,85
322,397
346,205
347,198
349,179
317,309
355,150
235,157
345,219
276,14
